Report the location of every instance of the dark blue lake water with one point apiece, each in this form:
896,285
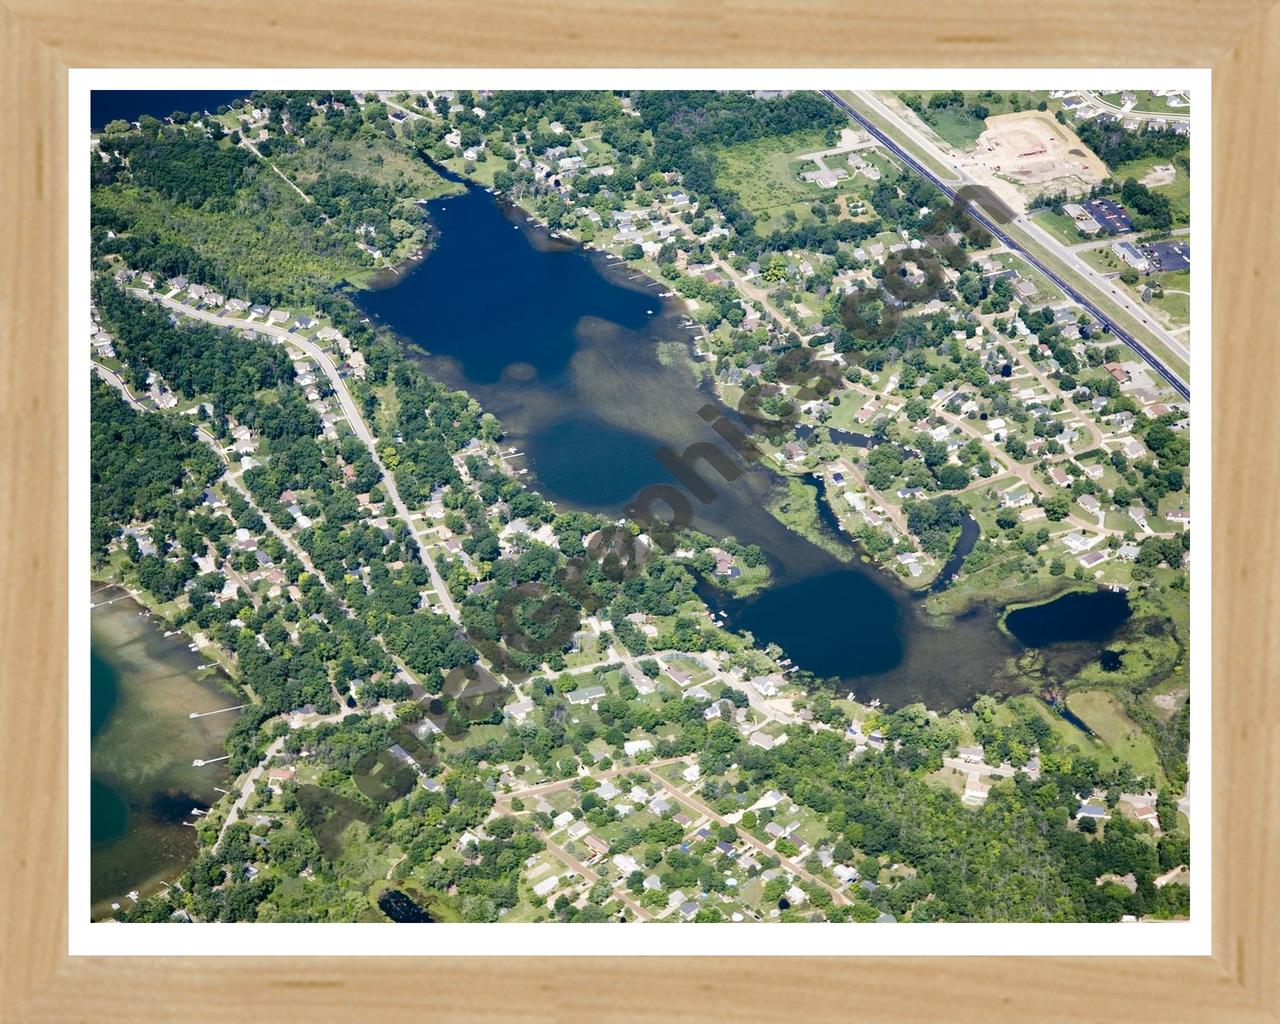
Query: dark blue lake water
592,372
402,909
819,620
1079,615
130,104
513,329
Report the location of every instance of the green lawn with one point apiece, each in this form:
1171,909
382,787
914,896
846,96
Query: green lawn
763,175
694,667
1102,713
1178,190
383,160
1175,304
1147,102
1060,226
1177,307
958,126
1176,301
1101,258
844,415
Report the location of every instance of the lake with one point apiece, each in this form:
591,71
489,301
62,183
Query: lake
142,687
1081,615
130,104
592,371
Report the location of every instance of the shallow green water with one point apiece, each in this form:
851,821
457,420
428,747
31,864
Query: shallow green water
142,688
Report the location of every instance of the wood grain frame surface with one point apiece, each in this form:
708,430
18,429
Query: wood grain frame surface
41,39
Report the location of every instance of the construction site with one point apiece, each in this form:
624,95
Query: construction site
1029,153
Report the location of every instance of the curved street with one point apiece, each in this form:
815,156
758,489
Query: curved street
349,409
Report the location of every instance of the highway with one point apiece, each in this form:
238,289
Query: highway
1180,386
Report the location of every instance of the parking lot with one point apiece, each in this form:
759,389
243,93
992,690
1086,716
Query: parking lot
1113,217
1166,256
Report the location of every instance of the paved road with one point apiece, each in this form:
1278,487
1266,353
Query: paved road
593,876
947,186
349,409
1103,281
554,786
246,789
1141,115
385,99
690,802
697,805
761,295
114,379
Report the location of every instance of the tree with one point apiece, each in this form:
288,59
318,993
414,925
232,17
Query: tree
1056,507
952,477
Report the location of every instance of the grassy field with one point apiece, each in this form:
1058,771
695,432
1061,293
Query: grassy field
1147,102
1069,736
1175,304
797,509
959,127
763,175
482,171
1146,658
380,159
1046,291
1178,190
1177,307
1012,577
1060,226
1102,713
1101,258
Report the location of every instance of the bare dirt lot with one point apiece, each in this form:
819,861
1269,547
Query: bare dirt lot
1026,154
1161,174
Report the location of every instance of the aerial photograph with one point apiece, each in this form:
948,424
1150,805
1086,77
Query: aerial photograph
639,506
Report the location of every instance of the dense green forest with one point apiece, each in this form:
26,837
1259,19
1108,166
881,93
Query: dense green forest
140,467
1116,145
177,199
195,171
688,127
194,359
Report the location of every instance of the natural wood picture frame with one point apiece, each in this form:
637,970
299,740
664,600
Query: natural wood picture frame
1240,40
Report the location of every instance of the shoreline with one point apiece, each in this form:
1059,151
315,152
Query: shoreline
920,589
914,592
154,609
141,749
